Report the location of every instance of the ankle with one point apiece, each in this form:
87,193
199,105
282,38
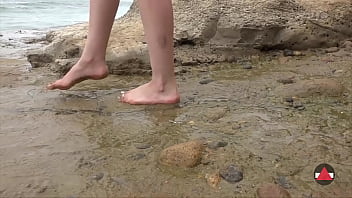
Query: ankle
91,60
163,85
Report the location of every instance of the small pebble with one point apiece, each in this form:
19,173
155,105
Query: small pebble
288,52
119,180
289,99
98,176
206,81
216,145
42,189
143,146
247,66
301,108
213,180
286,81
231,174
297,105
282,181
337,71
332,50
137,156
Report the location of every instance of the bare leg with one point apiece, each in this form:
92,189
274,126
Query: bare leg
92,62
157,17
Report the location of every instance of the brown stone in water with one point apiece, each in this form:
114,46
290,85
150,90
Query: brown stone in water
272,191
187,155
213,180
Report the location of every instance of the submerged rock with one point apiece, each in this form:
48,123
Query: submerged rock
332,50
232,174
286,80
187,155
206,81
217,144
306,88
143,146
272,191
213,180
288,52
283,182
97,177
247,66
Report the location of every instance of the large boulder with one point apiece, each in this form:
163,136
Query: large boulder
214,31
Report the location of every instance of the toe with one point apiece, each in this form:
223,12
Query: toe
51,86
123,97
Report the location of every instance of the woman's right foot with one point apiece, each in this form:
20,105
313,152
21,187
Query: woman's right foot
82,70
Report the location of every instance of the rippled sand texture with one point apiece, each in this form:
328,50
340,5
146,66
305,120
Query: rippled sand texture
84,142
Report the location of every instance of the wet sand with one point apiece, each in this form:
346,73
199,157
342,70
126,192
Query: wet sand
83,142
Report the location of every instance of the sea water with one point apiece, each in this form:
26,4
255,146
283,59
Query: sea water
21,19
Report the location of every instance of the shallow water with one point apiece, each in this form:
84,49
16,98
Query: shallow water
83,142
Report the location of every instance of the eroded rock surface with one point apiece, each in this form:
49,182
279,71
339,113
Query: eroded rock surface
214,31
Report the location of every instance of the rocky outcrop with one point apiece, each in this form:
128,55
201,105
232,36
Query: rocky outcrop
214,31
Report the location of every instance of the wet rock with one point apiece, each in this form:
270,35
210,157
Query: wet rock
72,52
288,99
188,154
297,105
247,66
216,114
272,191
217,144
63,65
283,182
231,174
347,44
143,146
288,52
206,81
40,60
213,180
337,71
286,81
97,177
331,50
137,156
306,88
42,189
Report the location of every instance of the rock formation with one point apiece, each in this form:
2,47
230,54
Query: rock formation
211,31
